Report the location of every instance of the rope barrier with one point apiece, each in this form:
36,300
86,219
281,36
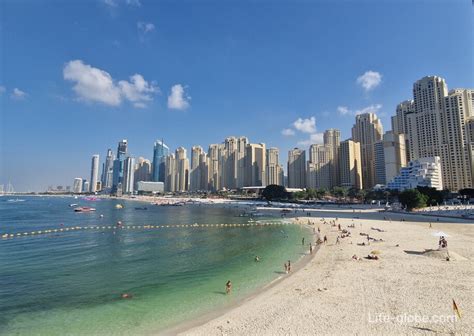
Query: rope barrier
135,227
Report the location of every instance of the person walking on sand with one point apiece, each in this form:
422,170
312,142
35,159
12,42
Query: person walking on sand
325,239
319,230
310,248
228,287
337,240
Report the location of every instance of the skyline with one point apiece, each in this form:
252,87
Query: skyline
237,72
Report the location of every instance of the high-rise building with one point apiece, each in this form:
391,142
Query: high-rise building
470,136
85,186
379,163
77,185
119,165
394,153
367,130
296,168
320,165
182,170
255,159
94,173
160,151
170,173
438,128
142,171
350,164
213,167
273,169
195,175
401,122
332,138
203,172
128,175
108,170
240,161
424,172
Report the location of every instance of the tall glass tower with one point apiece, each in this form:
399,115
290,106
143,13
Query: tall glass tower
160,151
119,164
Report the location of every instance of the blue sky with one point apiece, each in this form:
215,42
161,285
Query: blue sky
78,76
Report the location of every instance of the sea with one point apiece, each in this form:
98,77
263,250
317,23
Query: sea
71,282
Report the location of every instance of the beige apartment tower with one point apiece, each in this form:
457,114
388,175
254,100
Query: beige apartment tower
296,168
367,131
350,164
319,173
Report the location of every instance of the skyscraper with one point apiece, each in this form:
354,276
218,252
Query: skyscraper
438,128
170,173
401,122
332,138
119,164
142,171
319,167
108,170
160,151
128,175
255,159
367,130
273,169
94,173
213,167
394,154
77,186
296,168
182,170
350,164
195,175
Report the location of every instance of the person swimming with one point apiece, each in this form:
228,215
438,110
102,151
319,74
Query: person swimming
126,296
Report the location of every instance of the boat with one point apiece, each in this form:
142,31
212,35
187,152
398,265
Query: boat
84,209
73,205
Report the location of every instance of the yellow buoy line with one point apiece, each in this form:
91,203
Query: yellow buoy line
139,227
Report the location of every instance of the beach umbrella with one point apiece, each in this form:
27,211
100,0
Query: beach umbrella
439,234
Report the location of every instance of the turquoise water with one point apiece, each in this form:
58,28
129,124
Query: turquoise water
71,282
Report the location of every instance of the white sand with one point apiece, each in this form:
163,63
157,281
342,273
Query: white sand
336,295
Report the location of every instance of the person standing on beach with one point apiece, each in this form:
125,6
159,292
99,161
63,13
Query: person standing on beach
286,268
325,239
289,266
310,248
228,287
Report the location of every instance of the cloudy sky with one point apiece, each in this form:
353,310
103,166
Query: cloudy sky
78,76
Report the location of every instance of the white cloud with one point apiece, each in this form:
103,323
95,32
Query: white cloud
145,27
315,138
138,90
111,3
136,3
18,94
305,125
288,132
2,89
369,80
96,85
344,110
178,99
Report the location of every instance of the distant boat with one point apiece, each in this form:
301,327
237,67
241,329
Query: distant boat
15,200
84,209
73,205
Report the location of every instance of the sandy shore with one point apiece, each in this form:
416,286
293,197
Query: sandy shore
334,294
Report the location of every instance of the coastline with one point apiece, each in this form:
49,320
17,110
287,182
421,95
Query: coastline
404,281
207,317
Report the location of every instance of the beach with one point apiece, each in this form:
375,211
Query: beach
406,291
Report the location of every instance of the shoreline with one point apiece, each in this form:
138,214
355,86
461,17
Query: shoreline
403,281
204,318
